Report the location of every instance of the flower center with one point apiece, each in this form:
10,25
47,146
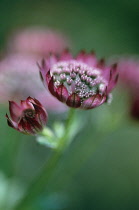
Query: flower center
29,113
79,78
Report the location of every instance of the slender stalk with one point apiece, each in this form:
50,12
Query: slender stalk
43,178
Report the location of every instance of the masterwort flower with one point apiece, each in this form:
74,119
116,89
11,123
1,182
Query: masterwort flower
37,40
80,82
128,68
29,117
129,73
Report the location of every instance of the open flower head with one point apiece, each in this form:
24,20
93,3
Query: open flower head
29,117
80,82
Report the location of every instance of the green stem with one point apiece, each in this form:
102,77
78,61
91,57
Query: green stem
43,178
63,143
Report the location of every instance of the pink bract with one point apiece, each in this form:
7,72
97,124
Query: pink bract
79,82
29,117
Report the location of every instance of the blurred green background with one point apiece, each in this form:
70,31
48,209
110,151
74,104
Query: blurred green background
100,170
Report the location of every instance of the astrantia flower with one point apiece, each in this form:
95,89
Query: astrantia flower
78,82
129,78
29,117
38,41
129,73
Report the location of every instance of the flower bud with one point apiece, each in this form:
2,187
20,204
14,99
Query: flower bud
29,117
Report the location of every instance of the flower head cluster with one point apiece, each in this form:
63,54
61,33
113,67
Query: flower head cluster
29,117
78,82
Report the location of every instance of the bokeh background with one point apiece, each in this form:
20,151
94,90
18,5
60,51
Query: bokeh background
100,170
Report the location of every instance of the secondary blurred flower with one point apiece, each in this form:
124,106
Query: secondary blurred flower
19,78
129,78
129,73
78,82
38,41
29,117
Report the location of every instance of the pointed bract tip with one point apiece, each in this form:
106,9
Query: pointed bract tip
6,115
66,50
92,52
101,63
82,51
